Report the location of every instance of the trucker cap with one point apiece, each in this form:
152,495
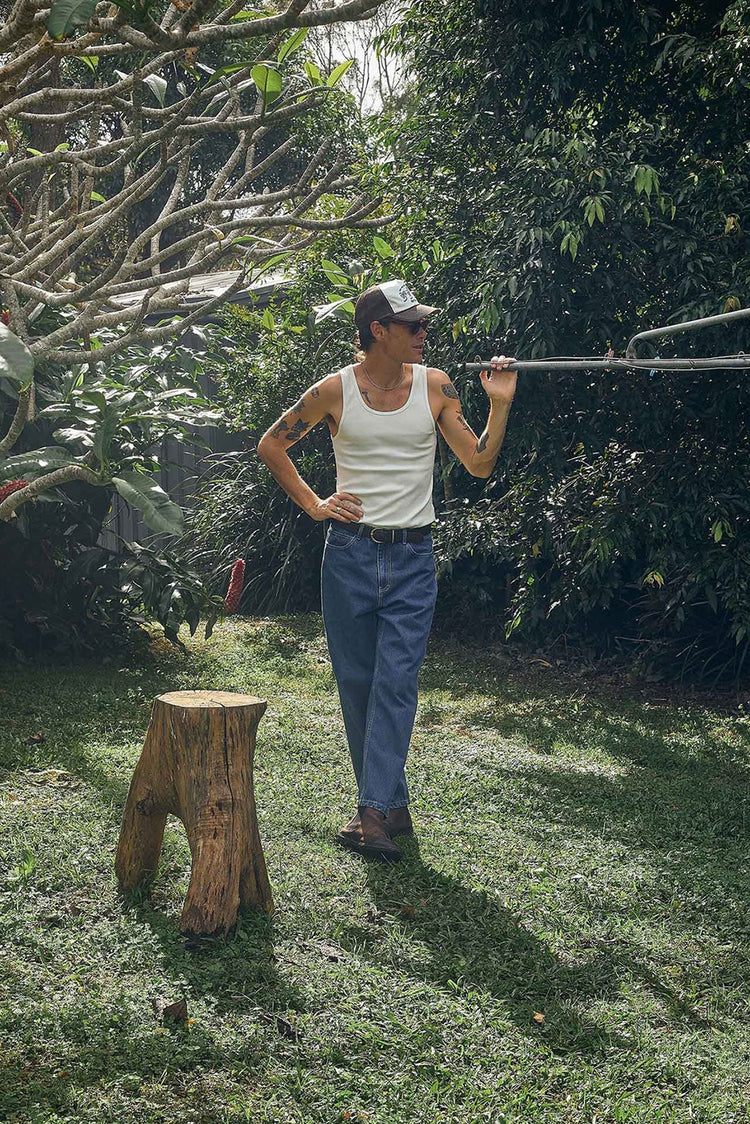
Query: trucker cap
392,298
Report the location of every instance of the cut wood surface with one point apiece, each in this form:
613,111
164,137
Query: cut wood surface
197,764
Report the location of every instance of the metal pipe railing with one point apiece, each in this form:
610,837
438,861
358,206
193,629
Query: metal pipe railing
631,362
706,363
686,326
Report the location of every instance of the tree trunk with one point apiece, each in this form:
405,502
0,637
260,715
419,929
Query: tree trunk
197,764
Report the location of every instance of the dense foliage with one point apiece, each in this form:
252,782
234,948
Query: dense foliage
586,167
104,426
164,166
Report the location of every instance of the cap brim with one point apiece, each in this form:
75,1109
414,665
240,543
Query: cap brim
418,312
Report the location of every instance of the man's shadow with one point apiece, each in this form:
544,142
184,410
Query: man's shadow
476,945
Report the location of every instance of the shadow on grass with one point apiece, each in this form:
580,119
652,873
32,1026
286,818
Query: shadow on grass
94,719
121,1046
476,945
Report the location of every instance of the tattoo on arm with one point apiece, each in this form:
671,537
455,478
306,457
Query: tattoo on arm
315,392
299,406
464,423
449,390
279,429
297,430
482,442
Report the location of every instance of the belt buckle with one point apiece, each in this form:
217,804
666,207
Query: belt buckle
381,530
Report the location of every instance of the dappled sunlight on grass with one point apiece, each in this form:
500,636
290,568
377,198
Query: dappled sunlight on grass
572,921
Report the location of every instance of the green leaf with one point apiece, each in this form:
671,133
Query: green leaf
105,433
16,361
313,73
323,311
159,512
225,70
70,433
92,62
158,87
381,247
268,81
97,197
338,72
65,15
335,274
268,321
37,462
293,43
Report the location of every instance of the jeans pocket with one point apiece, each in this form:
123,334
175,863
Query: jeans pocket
420,549
339,539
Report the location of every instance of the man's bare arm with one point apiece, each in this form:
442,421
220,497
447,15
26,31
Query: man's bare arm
477,454
273,449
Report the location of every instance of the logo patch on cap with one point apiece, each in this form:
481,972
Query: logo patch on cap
399,295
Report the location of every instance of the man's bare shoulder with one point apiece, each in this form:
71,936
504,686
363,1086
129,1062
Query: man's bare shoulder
327,389
440,382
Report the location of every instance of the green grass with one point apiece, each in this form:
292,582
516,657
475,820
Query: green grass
568,941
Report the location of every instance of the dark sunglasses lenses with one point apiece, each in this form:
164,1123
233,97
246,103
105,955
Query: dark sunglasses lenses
414,326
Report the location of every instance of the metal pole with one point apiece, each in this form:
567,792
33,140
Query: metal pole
686,326
583,364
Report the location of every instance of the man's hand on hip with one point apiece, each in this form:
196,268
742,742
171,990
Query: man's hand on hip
341,506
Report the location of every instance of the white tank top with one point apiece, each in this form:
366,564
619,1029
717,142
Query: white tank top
387,457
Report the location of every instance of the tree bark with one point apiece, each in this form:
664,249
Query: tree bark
197,764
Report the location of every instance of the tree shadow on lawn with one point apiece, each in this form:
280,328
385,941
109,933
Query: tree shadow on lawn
475,944
115,1042
693,824
669,736
113,1036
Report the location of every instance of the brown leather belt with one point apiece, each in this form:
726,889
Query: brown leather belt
384,534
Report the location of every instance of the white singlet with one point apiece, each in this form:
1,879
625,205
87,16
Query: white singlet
387,457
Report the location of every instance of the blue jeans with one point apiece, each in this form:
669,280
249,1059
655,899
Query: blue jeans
378,601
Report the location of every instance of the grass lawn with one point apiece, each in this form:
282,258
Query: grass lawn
569,939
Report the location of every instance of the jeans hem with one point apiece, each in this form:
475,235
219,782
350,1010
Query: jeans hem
406,805
374,804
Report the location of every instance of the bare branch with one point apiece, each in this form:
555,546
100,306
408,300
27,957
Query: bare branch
104,231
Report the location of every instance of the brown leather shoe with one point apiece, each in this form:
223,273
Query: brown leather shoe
397,822
365,834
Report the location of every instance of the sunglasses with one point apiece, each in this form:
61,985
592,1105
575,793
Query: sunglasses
414,326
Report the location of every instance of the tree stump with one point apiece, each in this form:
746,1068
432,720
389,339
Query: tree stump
197,764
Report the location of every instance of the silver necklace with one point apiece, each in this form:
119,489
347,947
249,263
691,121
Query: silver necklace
377,384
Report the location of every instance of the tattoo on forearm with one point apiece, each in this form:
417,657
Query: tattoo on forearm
482,442
299,406
449,390
279,429
297,430
315,392
464,423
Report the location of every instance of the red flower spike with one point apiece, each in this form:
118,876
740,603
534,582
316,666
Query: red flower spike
11,487
232,599
13,203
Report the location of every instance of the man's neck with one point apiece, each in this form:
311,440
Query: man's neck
383,370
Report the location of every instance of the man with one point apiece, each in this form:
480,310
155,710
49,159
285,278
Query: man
378,575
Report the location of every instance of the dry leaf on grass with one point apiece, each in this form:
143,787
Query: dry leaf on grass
176,1012
282,1025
